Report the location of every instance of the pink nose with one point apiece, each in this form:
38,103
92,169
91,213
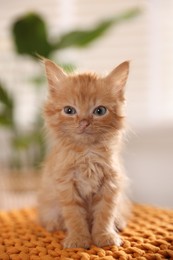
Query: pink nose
83,124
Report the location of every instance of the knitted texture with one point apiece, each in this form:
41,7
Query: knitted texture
149,235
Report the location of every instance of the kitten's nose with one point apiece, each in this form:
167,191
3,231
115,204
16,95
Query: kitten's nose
84,123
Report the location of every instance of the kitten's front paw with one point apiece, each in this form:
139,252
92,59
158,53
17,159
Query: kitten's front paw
120,224
77,240
107,239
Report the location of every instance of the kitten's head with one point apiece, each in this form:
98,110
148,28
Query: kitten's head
85,108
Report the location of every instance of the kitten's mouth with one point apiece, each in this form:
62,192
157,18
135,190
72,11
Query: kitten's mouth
83,132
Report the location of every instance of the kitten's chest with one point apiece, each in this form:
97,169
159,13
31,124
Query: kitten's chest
89,174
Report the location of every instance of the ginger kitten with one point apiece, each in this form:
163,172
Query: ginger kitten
83,184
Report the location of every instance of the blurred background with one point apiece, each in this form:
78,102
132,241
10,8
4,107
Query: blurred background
87,35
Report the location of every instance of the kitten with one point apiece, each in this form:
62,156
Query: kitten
83,183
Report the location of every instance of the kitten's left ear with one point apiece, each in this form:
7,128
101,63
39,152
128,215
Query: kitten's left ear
118,77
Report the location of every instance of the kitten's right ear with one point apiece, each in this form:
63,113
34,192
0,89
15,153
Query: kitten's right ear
54,74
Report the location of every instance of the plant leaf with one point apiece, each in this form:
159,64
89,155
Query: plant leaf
81,38
6,108
5,97
30,35
5,121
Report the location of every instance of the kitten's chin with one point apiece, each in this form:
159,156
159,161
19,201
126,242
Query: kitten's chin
83,132
84,137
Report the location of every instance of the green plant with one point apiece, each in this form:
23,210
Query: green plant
31,38
20,142
31,35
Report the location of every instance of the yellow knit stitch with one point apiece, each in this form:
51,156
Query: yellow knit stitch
149,235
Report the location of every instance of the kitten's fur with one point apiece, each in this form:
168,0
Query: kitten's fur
83,183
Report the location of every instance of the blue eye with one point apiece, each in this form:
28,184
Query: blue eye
69,110
100,111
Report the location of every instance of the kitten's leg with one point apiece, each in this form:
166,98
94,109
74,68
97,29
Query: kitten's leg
104,203
75,217
122,212
50,215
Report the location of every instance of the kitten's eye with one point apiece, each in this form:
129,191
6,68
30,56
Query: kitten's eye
100,111
69,110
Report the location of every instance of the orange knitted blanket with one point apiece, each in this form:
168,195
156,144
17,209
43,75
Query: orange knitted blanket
149,235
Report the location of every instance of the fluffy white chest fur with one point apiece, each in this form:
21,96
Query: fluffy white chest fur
88,176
